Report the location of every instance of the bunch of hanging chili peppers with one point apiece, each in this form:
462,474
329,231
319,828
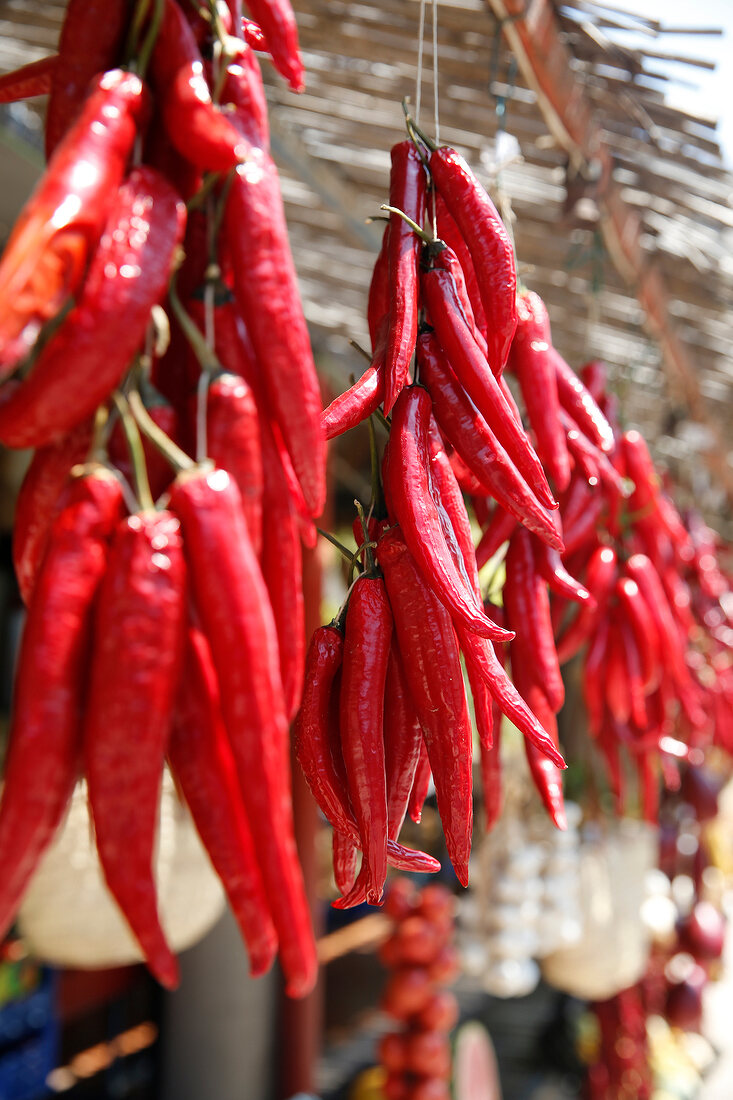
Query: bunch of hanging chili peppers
164,597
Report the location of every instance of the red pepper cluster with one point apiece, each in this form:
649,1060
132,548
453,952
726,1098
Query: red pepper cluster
422,957
621,1070
173,630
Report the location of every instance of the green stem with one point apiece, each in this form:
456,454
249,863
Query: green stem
370,566
424,237
136,25
146,50
413,129
98,446
339,545
178,459
137,455
205,355
198,199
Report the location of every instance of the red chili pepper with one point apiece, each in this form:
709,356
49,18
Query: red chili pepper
600,580
594,671
616,676
345,858
28,81
42,761
232,601
585,528
447,260
451,234
243,88
407,484
500,529
280,29
481,654
451,506
46,256
550,567
255,241
378,300
585,451
202,763
134,674
402,742
639,618
318,747
233,444
535,369
282,570
38,502
202,133
641,570
527,606
578,401
420,785
363,678
491,779
472,370
252,32
356,404
489,244
546,776
424,631
468,432
92,36
158,468
637,705
468,482
92,349
407,188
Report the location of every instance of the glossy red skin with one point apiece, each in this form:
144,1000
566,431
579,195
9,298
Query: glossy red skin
451,234
616,676
244,89
42,761
84,361
233,444
91,41
175,46
46,256
637,704
407,190
133,679
449,499
38,502
447,260
160,471
378,299
593,461
420,785
468,482
467,431
357,403
535,369
550,567
408,489
202,763
481,654
235,612
197,128
266,290
637,615
641,570
282,569
527,607
594,672
29,80
402,742
317,743
277,21
472,370
491,777
424,630
488,242
546,777
345,859
600,580
361,718
578,401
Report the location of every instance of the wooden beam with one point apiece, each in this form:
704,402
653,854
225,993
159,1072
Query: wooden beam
534,35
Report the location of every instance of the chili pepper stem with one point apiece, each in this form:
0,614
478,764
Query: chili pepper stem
146,49
367,544
205,355
98,445
137,455
347,554
424,237
178,459
413,128
361,350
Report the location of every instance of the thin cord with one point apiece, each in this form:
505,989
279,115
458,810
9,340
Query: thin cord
420,33
436,117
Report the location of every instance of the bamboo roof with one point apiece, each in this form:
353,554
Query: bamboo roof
332,144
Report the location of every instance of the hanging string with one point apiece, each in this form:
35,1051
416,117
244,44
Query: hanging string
420,34
436,113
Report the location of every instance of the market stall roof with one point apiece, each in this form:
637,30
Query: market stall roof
653,169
